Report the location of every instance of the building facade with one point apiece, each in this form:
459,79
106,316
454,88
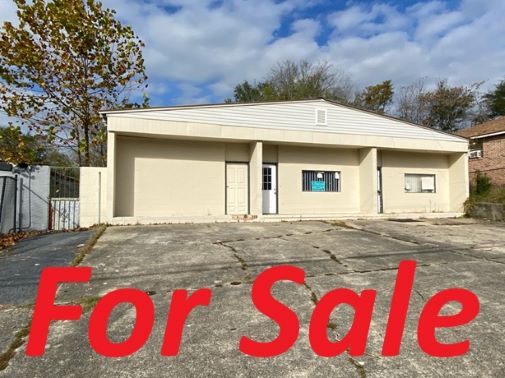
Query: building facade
284,160
487,149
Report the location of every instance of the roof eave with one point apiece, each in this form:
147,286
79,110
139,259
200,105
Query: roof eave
216,105
489,135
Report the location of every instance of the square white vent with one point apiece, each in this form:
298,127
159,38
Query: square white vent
321,117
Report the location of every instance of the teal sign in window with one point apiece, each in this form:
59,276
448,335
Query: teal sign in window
317,186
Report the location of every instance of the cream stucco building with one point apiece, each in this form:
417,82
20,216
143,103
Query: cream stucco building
281,160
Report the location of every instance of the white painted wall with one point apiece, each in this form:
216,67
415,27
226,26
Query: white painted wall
293,201
368,181
93,196
169,178
32,197
395,164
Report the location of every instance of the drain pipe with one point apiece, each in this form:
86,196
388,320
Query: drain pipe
15,201
99,196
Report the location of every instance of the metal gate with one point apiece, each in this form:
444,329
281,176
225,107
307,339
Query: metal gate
8,204
64,198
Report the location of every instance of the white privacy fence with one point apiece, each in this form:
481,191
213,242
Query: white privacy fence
52,198
64,213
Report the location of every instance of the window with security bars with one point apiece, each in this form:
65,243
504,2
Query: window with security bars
321,181
419,183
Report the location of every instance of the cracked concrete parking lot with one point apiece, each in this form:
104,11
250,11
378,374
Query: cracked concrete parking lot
227,258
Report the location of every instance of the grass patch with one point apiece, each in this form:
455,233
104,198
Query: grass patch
332,326
88,303
15,344
86,249
495,194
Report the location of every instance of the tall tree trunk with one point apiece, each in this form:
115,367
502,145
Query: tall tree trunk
78,150
87,156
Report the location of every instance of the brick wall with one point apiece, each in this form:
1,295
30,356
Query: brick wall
493,161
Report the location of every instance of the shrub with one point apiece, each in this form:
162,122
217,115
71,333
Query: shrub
482,184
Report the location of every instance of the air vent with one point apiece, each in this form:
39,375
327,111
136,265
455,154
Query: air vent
321,117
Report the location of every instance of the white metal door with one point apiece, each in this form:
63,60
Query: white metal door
237,188
269,189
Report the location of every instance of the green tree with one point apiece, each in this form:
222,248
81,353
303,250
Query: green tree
65,61
245,92
17,148
24,149
447,108
495,100
302,80
376,97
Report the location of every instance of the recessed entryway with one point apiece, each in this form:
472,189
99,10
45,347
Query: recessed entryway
269,189
380,204
237,188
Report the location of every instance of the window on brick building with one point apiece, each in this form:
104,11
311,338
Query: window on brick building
476,149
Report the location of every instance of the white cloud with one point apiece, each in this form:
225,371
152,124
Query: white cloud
464,45
197,50
376,19
350,18
4,119
7,11
438,24
192,94
224,44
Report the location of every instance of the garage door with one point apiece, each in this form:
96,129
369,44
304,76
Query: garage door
237,188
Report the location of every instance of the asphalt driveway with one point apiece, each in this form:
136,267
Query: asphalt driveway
227,258
21,264
20,268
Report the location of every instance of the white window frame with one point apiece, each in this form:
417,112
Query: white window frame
476,149
420,186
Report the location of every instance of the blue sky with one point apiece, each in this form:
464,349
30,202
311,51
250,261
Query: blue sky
197,50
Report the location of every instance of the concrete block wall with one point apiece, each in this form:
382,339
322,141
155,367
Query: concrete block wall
491,211
93,196
32,197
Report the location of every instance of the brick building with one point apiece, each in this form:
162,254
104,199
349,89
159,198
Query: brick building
487,149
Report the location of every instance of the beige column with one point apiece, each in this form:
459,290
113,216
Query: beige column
111,175
459,185
368,181
255,179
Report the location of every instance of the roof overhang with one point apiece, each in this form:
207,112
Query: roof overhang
488,135
212,132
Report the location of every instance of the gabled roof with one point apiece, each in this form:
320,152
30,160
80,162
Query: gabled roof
294,115
489,128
